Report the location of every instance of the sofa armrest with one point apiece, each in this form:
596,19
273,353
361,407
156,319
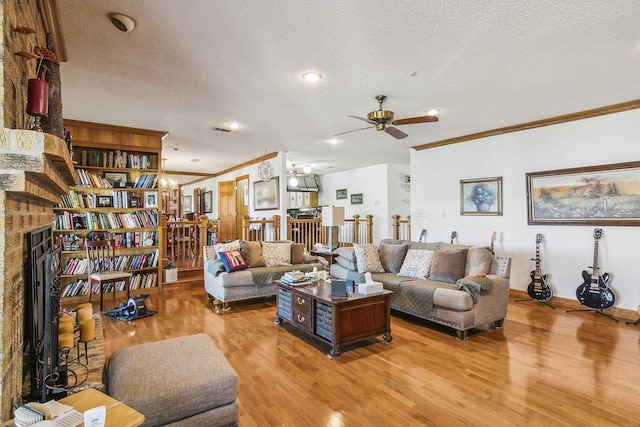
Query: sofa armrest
492,304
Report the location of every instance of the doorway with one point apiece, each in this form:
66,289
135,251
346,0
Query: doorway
226,211
242,202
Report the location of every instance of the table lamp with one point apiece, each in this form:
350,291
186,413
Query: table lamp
332,218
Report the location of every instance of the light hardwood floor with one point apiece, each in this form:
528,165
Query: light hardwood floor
545,367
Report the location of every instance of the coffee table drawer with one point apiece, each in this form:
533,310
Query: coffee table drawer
301,303
301,319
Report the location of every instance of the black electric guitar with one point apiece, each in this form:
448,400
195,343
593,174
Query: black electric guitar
594,292
538,288
493,239
454,234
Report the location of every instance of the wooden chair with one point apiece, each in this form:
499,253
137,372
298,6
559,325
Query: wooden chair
102,268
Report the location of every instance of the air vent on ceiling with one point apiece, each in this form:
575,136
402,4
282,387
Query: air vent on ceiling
221,129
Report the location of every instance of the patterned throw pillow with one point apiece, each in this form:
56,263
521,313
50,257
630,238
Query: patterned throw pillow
276,253
232,261
367,258
230,246
417,264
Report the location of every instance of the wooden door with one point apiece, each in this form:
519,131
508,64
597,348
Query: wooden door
242,201
227,211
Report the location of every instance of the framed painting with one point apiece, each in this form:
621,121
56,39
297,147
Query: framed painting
207,202
341,193
266,194
116,177
481,196
104,201
357,199
592,195
186,204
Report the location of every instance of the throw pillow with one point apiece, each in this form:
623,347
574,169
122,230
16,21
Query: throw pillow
448,266
346,263
478,260
252,253
229,246
417,264
210,253
232,261
392,256
276,253
367,258
346,252
297,253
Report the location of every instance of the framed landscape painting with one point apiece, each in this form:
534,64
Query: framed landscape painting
266,194
592,195
341,193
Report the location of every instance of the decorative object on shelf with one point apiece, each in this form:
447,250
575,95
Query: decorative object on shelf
116,177
481,196
341,193
592,195
266,195
37,88
357,199
150,199
332,218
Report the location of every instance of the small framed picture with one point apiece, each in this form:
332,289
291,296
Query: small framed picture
186,204
341,193
481,196
356,199
150,199
207,201
116,177
104,201
135,202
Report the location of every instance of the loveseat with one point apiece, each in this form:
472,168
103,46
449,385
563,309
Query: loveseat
462,287
264,262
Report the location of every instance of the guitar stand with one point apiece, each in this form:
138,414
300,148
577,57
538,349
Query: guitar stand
535,300
597,311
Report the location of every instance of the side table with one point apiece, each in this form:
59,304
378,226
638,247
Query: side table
328,256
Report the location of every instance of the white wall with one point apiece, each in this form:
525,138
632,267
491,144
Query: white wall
567,250
383,192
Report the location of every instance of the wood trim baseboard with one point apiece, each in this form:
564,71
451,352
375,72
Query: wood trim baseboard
621,314
586,114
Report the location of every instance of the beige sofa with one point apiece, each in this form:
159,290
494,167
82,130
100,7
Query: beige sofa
258,280
465,286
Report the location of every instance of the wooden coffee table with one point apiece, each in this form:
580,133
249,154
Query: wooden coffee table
339,321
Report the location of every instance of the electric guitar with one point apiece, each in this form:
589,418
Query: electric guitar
454,234
493,239
538,288
594,292
423,234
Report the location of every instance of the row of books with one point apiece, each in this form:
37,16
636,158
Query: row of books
71,242
107,159
118,199
66,220
85,178
138,281
146,181
76,266
135,239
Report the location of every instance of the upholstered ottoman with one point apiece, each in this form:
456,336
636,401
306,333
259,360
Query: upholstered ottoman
182,381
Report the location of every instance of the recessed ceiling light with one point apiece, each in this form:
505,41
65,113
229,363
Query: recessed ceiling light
195,160
311,76
332,141
234,125
432,112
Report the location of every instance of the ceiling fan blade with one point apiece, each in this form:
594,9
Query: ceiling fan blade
412,120
363,119
396,133
355,130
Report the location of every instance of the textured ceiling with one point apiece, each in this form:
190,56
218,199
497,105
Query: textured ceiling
190,66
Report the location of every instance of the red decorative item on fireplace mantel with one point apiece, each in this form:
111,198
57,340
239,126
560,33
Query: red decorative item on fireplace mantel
37,97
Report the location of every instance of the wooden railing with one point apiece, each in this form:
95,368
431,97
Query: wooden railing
401,227
181,242
308,231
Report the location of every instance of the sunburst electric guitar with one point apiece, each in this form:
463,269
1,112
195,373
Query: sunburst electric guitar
538,288
454,234
594,292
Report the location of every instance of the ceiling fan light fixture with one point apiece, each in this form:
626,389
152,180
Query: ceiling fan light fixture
306,169
233,125
432,112
311,76
293,181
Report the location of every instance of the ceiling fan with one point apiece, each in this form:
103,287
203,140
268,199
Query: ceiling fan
294,174
381,119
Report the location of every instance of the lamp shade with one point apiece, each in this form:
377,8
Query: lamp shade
333,216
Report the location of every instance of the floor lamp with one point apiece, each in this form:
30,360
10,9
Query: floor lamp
332,218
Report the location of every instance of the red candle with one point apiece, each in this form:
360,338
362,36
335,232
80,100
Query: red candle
38,97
